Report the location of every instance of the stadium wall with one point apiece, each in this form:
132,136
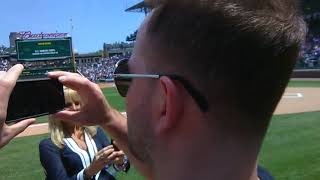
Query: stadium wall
306,73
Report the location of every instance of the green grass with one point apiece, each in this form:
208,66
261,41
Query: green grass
297,83
291,148
20,159
290,151
114,98
42,119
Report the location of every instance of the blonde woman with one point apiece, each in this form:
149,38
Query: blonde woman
77,152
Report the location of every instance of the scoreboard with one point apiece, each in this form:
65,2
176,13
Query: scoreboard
43,49
40,56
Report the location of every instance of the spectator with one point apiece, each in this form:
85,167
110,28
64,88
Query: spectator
310,53
78,152
102,70
4,65
201,86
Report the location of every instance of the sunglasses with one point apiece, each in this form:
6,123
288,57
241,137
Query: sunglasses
123,79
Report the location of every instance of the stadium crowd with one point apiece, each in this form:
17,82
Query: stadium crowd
310,52
4,65
100,71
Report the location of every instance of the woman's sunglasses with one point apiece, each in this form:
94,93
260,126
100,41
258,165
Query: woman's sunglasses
123,79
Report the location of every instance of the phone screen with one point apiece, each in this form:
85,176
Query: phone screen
114,146
35,98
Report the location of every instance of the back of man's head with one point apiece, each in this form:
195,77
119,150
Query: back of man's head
239,54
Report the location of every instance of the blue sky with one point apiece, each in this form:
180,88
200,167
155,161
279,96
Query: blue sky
94,21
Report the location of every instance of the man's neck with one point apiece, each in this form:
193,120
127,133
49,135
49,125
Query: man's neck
204,162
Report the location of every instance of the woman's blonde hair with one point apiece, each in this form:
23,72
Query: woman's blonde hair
56,126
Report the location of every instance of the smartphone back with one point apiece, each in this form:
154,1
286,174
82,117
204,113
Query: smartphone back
33,98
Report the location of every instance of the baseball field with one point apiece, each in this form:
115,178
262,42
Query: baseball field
291,150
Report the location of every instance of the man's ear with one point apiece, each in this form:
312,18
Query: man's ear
171,105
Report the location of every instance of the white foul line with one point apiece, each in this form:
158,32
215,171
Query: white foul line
293,95
38,125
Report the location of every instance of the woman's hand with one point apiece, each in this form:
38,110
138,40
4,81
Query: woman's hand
119,158
104,157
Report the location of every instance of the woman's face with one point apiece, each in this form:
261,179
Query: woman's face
71,106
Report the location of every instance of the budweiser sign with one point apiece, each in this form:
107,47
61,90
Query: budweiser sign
29,35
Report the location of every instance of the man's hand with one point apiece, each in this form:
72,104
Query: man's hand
7,83
95,110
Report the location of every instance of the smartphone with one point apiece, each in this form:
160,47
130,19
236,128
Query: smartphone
34,98
114,146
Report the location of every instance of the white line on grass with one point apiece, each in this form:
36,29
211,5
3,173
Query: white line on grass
38,125
293,95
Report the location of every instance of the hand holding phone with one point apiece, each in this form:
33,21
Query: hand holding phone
7,82
114,146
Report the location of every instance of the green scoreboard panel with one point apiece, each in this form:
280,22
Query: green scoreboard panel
43,49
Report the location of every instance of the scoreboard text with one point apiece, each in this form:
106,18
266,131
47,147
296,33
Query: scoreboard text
43,49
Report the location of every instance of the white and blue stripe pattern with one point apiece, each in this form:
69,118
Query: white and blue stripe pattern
86,157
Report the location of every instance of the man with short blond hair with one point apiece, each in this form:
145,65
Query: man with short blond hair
201,86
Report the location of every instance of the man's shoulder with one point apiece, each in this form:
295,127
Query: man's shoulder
263,174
